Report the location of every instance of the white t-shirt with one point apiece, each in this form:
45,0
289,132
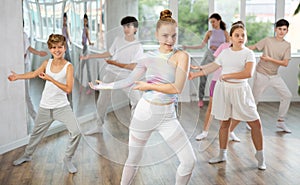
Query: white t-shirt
234,61
124,52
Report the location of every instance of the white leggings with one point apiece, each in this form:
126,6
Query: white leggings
148,118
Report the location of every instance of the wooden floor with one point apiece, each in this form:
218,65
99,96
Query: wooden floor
100,158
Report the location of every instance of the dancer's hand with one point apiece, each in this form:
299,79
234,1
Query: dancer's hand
44,76
92,86
191,75
84,57
141,86
109,61
265,58
43,53
195,67
12,76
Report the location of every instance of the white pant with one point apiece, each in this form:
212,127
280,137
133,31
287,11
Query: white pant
260,84
162,118
234,100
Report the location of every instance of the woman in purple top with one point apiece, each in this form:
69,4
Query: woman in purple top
85,39
214,38
66,34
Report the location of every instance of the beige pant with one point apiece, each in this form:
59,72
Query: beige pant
43,121
262,82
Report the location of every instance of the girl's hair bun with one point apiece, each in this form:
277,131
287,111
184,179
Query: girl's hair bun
165,14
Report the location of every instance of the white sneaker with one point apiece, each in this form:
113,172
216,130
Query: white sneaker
261,162
233,137
97,130
248,127
201,136
218,159
281,125
24,158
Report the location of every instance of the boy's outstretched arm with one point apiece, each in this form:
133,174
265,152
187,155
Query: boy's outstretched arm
14,76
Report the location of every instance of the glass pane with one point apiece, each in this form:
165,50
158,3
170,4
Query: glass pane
149,11
44,21
35,21
192,21
58,18
293,34
78,21
49,20
260,19
26,18
92,11
231,16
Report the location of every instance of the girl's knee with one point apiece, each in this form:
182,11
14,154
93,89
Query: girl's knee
255,124
186,167
225,125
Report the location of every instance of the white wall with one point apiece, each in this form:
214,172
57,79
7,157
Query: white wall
13,125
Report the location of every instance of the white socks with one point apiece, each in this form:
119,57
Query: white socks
24,158
281,125
233,137
261,159
69,165
221,158
201,136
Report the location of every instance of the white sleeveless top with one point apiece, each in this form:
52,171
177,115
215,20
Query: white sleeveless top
54,97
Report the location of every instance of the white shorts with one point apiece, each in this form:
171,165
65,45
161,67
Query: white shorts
234,100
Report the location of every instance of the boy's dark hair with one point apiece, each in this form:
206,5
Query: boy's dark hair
282,22
130,19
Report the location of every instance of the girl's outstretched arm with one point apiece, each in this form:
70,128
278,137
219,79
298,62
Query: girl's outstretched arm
205,70
136,74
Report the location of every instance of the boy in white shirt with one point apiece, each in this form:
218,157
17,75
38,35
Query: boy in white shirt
123,51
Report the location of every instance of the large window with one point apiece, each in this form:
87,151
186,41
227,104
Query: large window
260,19
228,17
149,11
44,17
192,21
